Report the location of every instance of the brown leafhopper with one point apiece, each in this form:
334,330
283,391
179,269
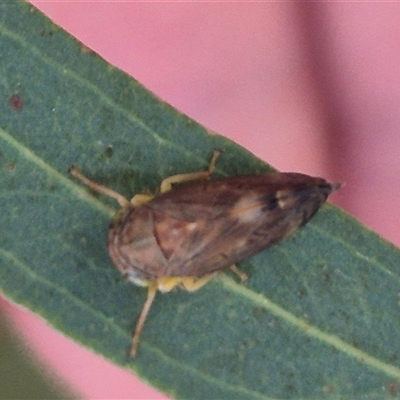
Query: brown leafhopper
186,234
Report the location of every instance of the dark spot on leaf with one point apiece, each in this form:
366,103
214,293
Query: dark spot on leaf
108,152
11,165
16,102
393,388
329,389
45,32
326,277
302,292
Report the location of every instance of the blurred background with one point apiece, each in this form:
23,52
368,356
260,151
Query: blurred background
307,87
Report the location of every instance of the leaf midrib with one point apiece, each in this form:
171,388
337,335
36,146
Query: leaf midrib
308,329
79,191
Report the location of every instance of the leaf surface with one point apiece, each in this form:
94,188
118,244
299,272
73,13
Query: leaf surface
319,315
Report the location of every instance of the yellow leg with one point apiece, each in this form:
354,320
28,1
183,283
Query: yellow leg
243,277
167,283
151,293
191,284
167,183
99,188
139,199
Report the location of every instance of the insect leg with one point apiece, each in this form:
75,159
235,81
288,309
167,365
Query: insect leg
191,284
139,199
98,188
243,277
167,283
151,293
167,183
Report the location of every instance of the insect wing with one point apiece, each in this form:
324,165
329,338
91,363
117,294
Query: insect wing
209,225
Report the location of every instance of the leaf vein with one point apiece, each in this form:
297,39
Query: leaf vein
309,329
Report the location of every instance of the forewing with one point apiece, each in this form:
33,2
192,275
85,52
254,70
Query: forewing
208,226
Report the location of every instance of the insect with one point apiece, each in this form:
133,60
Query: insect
188,233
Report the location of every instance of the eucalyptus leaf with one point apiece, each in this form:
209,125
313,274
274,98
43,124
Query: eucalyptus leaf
319,316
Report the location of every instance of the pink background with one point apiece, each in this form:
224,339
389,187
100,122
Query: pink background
308,87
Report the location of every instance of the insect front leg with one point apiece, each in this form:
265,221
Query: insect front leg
167,183
98,188
139,199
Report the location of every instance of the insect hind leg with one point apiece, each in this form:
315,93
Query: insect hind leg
242,275
151,293
191,284
167,183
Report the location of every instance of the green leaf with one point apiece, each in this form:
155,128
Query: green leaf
319,315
